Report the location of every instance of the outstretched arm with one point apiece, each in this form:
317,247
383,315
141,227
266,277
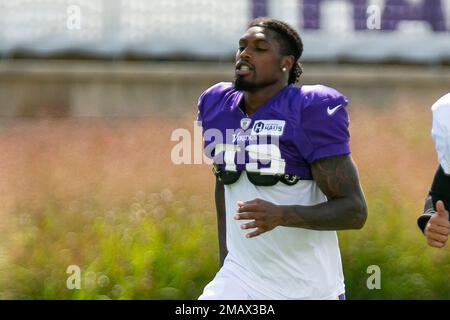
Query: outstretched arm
346,208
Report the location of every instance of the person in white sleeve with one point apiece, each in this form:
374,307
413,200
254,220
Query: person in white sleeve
434,222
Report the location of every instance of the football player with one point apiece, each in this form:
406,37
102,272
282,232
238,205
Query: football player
285,178
434,222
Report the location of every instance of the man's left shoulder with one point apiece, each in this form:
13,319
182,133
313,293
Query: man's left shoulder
324,123
321,96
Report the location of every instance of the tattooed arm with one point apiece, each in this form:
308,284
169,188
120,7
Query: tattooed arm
346,208
221,222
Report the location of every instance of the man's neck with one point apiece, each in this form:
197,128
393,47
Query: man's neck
254,100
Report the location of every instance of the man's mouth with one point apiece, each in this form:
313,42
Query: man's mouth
243,69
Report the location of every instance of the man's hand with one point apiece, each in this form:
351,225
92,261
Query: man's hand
438,227
265,216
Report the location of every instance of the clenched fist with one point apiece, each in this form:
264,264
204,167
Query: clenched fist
438,227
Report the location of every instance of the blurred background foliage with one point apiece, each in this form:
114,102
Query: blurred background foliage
91,92
140,227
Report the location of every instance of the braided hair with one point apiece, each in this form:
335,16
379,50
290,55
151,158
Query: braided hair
289,40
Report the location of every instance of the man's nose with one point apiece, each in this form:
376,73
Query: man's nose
245,55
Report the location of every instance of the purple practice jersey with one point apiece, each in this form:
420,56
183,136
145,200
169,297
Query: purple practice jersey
296,127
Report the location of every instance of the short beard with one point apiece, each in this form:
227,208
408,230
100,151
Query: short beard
242,85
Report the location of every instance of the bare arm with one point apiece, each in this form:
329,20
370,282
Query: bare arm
221,220
346,207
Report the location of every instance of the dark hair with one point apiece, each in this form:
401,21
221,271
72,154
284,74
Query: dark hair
289,39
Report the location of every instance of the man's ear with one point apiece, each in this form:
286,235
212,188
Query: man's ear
287,62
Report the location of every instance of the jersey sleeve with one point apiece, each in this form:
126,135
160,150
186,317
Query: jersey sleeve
200,107
441,131
201,102
324,124
208,100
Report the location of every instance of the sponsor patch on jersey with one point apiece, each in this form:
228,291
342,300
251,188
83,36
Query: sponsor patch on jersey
268,127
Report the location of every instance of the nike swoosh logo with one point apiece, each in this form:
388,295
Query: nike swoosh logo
333,110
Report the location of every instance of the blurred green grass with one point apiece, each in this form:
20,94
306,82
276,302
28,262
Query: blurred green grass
156,248
105,197
391,240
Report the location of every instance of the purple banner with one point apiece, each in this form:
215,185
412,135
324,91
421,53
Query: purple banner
394,12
